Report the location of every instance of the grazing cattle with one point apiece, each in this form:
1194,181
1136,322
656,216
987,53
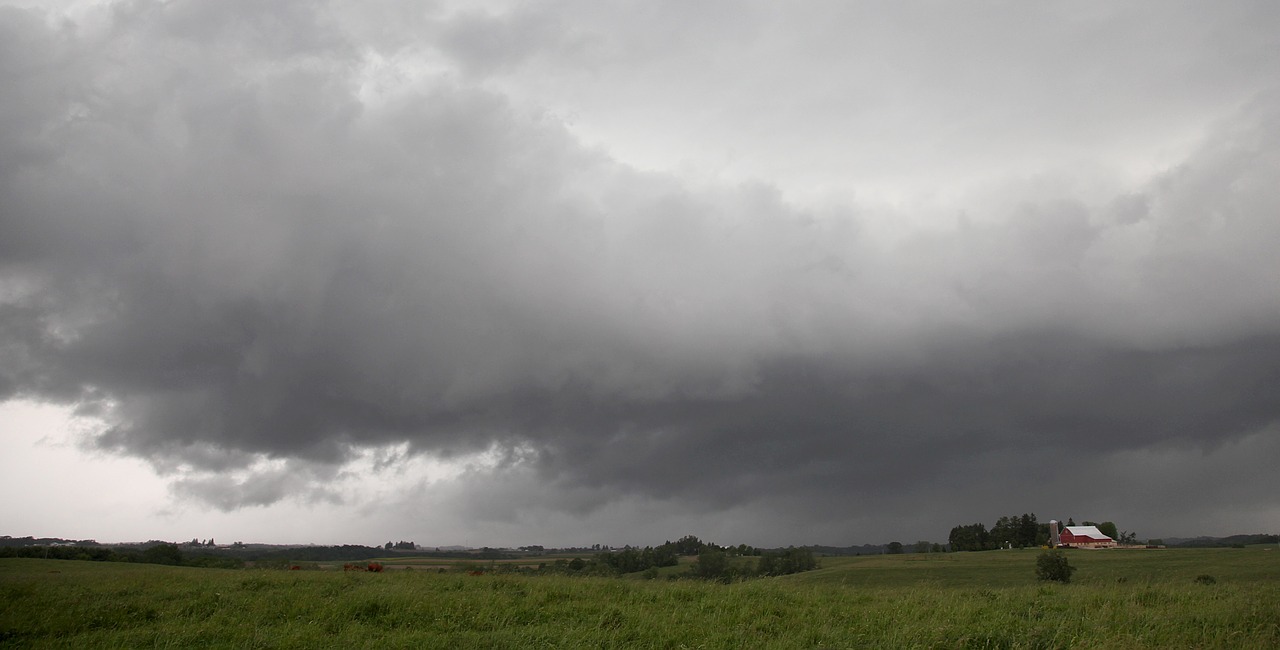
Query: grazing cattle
372,567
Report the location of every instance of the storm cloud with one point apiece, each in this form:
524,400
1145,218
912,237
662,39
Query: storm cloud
261,240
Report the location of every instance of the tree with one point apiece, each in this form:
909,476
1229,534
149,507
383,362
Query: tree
1005,531
712,564
688,545
1053,565
1028,528
973,537
922,547
894,548
1015,530
162,554
780,563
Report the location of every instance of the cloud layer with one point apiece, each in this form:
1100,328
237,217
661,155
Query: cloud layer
260,241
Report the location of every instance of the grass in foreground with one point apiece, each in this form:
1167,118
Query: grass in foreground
1118,601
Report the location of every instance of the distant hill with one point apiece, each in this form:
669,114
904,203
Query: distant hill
1212,542
865,549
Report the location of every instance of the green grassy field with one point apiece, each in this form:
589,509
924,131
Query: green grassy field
1119,599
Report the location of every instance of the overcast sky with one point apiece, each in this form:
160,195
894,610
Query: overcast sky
581,272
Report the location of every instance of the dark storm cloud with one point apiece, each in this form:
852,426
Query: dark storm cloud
214,236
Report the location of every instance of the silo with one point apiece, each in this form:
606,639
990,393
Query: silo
1053,533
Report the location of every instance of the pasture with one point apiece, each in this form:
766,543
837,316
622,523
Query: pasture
1118,599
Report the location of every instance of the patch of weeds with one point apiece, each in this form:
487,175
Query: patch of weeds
516,588
372,611
1205,579
611,619
255,584
200,607
1151,598
116,616
987,642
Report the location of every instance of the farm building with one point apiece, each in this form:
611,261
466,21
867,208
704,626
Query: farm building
1085,537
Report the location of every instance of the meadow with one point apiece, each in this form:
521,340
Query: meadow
1117,599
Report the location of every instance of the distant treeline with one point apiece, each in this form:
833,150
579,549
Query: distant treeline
631,560
714,562
44,541
168,554
316,553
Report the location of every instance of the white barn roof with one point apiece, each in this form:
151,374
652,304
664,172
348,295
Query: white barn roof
1086,531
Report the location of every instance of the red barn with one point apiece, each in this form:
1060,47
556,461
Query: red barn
1085,537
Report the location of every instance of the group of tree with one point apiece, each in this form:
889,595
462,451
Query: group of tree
1019,531
922,546
713,562
785,562
1016,531
157,553
721,566
401,546
205,543
8,540
631,560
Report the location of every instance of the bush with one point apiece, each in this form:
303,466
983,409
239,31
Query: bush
1053,565
1206,579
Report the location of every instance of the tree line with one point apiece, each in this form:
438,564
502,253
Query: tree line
1017,531
714,562
165,553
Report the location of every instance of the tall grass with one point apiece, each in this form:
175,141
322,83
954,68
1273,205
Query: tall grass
1117,601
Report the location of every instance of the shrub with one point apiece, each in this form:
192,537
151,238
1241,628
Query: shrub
1053,565
1205,579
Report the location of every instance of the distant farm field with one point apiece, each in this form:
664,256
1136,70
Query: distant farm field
1210,598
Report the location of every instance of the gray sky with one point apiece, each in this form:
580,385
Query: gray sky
580,272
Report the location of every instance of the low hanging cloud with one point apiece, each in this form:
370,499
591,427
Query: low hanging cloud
220,237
